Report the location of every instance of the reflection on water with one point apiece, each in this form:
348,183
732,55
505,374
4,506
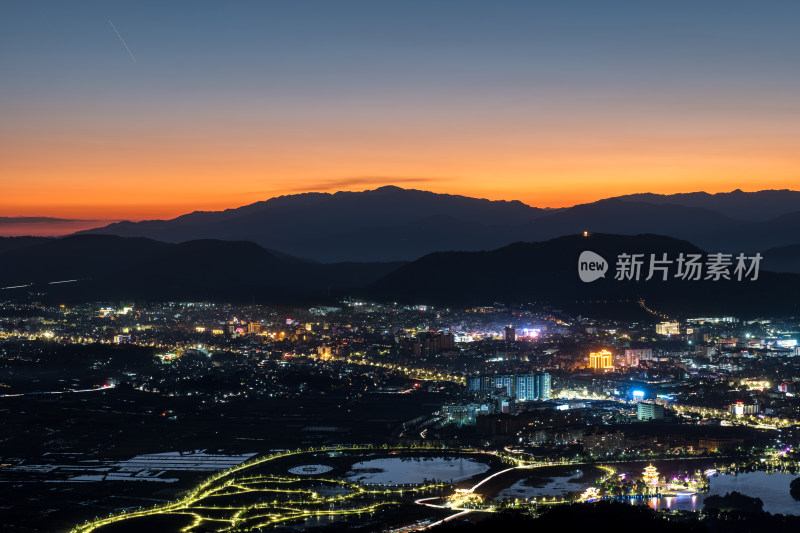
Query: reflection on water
556,486
676,503
397,470
773,489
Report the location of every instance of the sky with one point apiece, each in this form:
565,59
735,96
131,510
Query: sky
139,110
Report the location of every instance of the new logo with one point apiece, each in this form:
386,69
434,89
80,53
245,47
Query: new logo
591,266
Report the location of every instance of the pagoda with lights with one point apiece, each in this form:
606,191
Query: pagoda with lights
650,477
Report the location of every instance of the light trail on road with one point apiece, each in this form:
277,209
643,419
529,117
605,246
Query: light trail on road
69,391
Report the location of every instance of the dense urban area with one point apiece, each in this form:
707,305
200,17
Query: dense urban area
115,409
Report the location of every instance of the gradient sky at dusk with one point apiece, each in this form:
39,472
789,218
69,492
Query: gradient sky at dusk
549,102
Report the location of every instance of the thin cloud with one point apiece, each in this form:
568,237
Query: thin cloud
335,184
43,220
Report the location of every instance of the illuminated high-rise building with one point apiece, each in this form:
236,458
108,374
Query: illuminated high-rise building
601,360
668,328
649,411
543,386
504,382
634,356
430,342
525,387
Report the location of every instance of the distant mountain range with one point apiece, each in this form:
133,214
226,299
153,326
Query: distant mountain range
753,206
784,258
415,246
395,224
548,272
88,268
105,267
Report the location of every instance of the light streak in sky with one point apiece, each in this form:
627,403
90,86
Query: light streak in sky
122,40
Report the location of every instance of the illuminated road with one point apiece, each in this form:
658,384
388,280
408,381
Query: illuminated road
453,506
443,520
765,422
70,391
500,474
419,374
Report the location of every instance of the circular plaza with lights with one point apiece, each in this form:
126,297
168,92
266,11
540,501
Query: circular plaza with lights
310,470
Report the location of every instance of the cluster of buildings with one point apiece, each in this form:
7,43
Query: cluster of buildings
493,361
520,387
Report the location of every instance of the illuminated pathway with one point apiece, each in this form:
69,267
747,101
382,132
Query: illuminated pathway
250,496
240,499
246,497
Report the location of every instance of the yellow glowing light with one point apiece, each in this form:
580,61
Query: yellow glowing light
601,360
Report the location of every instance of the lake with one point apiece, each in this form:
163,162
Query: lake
403,470
773,489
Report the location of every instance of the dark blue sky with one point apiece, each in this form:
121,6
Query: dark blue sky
548,102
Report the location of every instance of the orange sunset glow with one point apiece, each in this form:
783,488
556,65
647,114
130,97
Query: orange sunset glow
477,104
122,178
